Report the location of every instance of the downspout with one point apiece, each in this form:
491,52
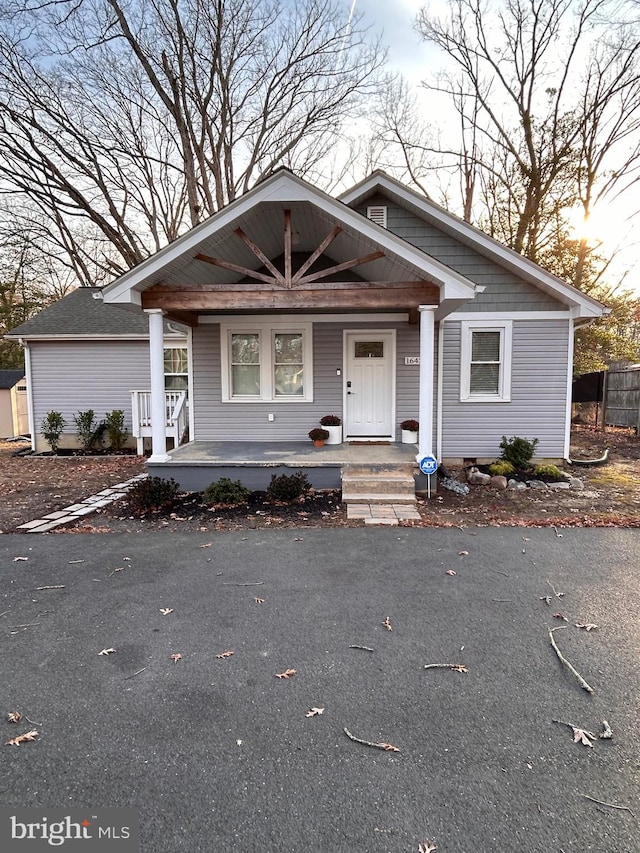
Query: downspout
567,426
27,373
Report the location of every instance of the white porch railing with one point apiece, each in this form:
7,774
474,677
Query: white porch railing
175,406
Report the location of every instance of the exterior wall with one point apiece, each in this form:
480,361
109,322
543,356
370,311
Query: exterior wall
214,420
73,376
504,291
538,395
6,413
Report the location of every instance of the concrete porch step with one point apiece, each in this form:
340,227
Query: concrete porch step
378,484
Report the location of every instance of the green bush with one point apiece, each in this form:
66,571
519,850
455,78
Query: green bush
88,429
115,428
152,494
288,487
518,451
51,428
226,491
548,472
501,468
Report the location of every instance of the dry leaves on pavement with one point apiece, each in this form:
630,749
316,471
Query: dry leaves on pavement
387,624
226,654
14,717
176,657
166,610
24,738
286,674
314,712
106,652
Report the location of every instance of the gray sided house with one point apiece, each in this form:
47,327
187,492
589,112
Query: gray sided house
80,354
377,307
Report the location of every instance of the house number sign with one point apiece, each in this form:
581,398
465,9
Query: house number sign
412,359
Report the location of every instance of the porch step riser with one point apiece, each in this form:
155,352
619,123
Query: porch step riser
378,485
364,498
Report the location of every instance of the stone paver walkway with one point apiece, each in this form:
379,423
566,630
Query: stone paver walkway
85,507
382,514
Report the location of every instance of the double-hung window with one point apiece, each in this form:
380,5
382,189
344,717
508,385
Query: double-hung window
267,362
485,361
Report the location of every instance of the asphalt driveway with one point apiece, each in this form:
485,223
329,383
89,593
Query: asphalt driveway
217,754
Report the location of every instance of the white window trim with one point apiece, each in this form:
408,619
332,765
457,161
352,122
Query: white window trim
266,329
505,327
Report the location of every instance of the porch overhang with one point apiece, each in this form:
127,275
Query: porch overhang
285,246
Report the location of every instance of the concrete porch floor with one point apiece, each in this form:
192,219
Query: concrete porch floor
303,453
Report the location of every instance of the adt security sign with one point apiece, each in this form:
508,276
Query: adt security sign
428,464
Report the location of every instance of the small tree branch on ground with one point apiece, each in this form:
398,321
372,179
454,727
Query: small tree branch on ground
363,648
609,805
563,659
456,667
382,745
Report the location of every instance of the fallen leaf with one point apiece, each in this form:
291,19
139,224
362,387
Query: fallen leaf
20,559
207,545
176,657
27,736
387,624
459,667
388,746
258,600
583,736
314,712
286,674
546,598
427,847
606,730
166,610
120,569
588,626
560,616
106,652
14,717
451,572
226,654
463,553
297,539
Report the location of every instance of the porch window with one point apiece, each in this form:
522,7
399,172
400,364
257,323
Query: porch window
270,362
485,362
176,369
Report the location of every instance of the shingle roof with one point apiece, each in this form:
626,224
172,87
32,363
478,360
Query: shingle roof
9,378
79,313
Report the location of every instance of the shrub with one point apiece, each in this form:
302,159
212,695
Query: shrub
115,428
518,451
51,428
288,487
410,424
330,420
89,431
318,434
226,491
548,472
501,468
152,494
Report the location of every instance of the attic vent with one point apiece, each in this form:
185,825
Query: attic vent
378,214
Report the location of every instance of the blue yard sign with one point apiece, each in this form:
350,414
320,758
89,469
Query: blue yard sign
428,464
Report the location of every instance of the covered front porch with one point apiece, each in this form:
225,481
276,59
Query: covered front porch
197,464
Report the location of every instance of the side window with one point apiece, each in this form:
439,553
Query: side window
176,369
485,362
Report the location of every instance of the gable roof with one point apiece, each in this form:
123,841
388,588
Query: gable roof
583,306
9,378
261,209
83,314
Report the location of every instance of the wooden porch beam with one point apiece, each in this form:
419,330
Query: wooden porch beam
355,262
187,318
257,251
331,236
280,300
249,286
227,265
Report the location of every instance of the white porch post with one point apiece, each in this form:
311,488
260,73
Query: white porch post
158,414
425,408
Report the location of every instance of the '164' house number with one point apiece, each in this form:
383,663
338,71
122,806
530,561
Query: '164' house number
412,359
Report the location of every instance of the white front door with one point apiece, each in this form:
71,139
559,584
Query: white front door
369,384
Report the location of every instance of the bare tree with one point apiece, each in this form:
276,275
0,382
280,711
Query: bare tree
141,119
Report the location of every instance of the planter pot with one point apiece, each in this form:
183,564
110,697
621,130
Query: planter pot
409,436
318,442
335,434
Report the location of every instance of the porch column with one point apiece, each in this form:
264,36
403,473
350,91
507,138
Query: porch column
425,407
158,414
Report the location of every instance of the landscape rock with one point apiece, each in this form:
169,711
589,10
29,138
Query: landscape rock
477,478
576,483
499,482
536,484
516,486
560,485
453,485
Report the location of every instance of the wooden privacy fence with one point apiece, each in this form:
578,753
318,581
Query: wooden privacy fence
621,397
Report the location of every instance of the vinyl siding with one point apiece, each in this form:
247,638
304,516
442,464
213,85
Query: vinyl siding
71,376
215,420
538,395
504,291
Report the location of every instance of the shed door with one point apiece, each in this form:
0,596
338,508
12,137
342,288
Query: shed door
369,385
